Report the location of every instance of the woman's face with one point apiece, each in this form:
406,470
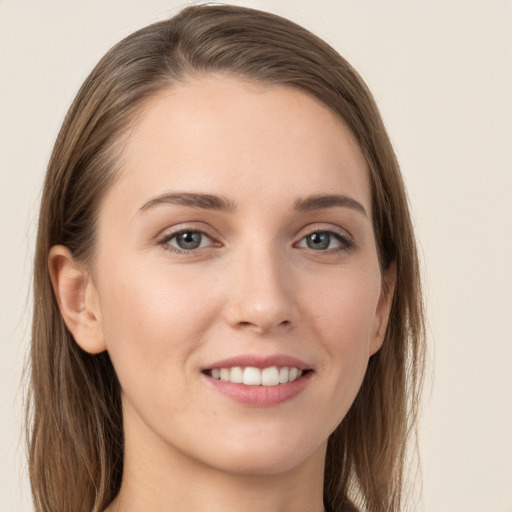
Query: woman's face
237,236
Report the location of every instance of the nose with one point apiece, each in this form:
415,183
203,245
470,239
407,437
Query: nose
261,293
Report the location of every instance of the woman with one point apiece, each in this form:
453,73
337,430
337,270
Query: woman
227,298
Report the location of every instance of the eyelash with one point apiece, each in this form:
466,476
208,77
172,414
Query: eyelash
164,241
346,242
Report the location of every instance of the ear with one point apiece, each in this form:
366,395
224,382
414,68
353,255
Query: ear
383,308
77,298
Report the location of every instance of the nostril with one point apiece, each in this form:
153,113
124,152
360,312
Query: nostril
259,325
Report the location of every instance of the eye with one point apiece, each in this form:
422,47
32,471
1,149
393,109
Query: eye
325,240
187,240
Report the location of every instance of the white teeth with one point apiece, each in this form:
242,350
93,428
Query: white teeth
270,376
251,376
237,375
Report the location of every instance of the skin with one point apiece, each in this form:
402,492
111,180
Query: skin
254,286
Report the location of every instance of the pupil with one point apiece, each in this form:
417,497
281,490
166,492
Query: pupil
319,241
188,240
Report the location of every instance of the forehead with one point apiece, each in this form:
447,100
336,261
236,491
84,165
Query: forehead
225,135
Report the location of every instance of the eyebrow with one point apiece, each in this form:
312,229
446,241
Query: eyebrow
193,200
220,203
321,202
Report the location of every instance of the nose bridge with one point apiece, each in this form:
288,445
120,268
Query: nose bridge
261,295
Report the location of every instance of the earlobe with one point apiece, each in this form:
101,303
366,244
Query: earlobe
383,307
77,298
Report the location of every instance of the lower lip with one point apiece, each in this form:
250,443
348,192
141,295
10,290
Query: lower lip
260,396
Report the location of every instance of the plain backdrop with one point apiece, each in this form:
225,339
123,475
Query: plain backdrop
441,72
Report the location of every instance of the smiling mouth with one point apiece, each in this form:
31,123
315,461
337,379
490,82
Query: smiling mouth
251,376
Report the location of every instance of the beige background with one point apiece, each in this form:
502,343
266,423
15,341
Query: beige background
442,75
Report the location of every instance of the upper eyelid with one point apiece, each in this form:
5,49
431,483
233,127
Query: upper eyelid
170,236
169,233
336,230
340,237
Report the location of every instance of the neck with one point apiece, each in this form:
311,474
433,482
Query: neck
160,478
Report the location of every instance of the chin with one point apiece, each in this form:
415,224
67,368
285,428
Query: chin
266,456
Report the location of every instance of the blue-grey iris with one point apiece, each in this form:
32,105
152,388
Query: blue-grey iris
318,241
188,240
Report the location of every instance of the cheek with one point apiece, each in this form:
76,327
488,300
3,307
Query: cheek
152,318
348,307
345,320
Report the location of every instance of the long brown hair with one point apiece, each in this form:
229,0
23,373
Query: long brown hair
74,413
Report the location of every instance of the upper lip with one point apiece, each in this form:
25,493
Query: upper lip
260,362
